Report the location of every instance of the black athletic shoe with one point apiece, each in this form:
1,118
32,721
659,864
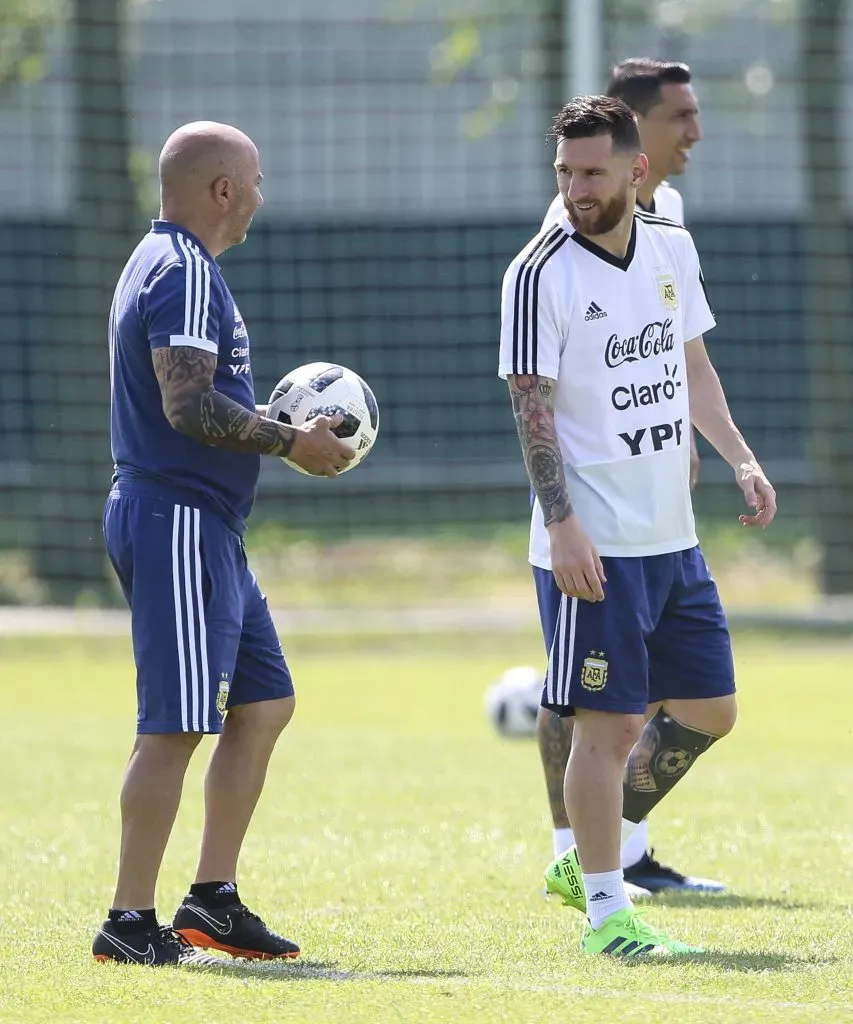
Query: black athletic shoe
650,874
151,946
233,929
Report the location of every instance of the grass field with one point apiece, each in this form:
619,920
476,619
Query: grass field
454,567
401,843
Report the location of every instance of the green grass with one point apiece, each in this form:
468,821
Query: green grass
401,843
455,567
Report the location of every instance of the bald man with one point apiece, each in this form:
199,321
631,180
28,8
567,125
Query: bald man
187,438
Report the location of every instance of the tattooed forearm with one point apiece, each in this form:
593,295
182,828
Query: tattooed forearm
225,424
534,419
194,407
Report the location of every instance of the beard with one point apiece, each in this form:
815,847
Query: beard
601,218
240,226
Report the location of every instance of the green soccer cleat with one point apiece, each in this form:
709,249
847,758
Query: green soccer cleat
563,878
627,934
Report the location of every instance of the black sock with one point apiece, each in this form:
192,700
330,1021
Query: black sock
215,894
126,922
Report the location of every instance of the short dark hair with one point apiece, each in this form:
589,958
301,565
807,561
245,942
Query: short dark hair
638,80
587,116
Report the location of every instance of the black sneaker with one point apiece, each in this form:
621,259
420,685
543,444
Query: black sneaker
151,946
233,929
650,874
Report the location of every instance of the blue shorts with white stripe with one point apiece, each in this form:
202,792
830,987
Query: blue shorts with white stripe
203,637
659,634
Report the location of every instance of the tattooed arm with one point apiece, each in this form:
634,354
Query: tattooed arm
534,420
574,560
193,406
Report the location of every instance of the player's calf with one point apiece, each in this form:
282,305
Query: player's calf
665,752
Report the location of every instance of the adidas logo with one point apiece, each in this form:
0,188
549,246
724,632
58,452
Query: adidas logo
599,895
622,947
595,312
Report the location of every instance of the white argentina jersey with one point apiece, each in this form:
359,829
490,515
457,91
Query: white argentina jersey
666,202
611,332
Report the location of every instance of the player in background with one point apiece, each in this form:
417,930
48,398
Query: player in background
186,439
602,320
661,95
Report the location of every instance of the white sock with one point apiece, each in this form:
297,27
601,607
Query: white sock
564,839
605,894
635,841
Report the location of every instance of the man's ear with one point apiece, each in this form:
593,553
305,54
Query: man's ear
640,170
222,189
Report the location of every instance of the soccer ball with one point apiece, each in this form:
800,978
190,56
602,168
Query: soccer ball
325,389
673,761
512,703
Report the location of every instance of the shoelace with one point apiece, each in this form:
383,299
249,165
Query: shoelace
188,955
170,938
243,911
663,869
645,931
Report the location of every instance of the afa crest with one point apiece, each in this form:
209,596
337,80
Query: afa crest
222,695
594,671
667,291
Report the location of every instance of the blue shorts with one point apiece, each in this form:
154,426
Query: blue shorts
203,638
659,634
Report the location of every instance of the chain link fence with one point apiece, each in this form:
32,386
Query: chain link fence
405,163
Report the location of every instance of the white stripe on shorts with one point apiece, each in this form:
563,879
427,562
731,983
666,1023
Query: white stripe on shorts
562,654
569,649
202,625
190,624
179,619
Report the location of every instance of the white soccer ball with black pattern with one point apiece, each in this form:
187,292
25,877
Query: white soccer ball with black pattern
512,702
324,389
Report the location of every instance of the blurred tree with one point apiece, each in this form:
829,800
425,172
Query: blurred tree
466,49
25,26
828,276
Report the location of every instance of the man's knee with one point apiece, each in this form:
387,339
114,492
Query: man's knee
268,716
166,747
606,733
714,715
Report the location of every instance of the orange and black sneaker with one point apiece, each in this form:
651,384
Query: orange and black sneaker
232,928
152,946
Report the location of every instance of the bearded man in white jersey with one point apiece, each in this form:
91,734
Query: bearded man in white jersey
661,95
601,342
